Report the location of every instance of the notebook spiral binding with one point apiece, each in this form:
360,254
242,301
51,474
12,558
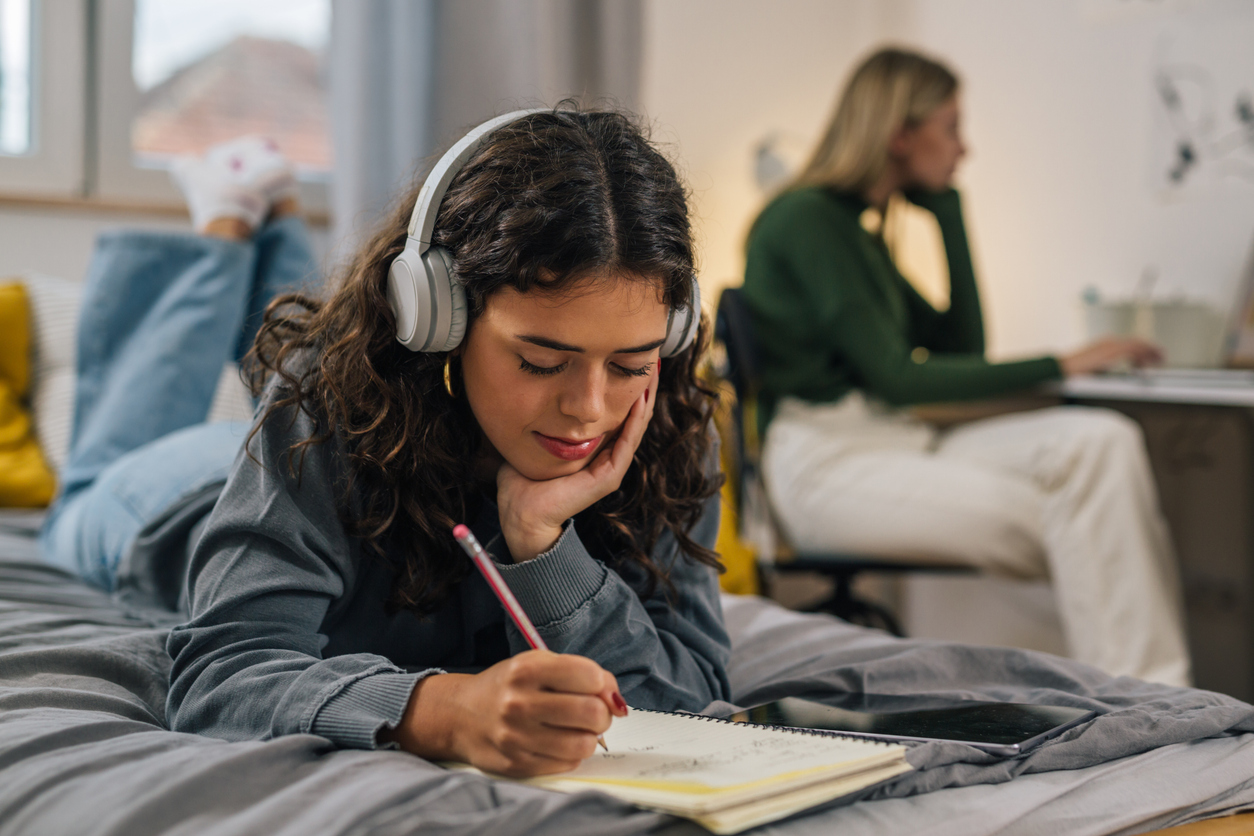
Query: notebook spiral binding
791,729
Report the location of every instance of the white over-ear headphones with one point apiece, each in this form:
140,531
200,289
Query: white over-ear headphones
430,305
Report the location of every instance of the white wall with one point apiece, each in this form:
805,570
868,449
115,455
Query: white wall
1058,109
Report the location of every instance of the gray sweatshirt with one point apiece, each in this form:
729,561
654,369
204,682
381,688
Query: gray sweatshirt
288,632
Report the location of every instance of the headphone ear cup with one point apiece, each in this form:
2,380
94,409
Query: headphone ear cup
430,308
681,327
408,301
451,326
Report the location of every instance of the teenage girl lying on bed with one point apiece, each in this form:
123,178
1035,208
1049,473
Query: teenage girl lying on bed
324,590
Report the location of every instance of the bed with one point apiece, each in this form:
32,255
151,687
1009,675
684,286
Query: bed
84,749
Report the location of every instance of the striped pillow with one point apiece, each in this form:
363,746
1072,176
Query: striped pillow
54,306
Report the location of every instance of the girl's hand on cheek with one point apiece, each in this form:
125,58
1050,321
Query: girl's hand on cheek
536,713
532,513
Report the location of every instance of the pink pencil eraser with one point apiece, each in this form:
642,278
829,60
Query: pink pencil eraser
460,531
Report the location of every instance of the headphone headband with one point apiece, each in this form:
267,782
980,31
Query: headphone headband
427,206
429,304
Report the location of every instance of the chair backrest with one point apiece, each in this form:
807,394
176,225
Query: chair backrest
733,327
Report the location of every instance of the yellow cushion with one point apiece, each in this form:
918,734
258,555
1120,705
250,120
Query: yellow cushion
14,336
25,478
741,577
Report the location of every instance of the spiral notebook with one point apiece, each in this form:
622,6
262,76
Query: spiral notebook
726,776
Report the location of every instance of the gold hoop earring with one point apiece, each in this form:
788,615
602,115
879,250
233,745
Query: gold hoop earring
448,376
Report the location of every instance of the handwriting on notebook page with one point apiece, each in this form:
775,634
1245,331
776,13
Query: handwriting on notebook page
647,746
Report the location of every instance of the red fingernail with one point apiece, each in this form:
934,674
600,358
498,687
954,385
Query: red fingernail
646,395
619,703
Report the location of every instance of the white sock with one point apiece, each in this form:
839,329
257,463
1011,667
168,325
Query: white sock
257,162
213,192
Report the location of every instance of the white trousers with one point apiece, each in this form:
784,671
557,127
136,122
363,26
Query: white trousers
1064,493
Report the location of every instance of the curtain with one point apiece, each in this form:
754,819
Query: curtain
408,77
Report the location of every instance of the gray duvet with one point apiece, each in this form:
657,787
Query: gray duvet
84,749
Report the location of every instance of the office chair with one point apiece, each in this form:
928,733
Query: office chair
733,328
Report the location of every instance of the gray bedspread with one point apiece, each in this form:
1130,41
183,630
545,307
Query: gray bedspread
1156,757
83,748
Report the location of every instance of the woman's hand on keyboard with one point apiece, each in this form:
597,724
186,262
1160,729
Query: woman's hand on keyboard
1110,353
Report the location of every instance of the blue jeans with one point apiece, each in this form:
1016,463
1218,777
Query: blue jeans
162,314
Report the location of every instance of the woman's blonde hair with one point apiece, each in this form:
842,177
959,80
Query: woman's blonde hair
892,89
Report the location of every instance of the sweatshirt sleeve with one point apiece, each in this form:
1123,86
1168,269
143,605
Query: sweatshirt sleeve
960,328
886,368
273,562
668,654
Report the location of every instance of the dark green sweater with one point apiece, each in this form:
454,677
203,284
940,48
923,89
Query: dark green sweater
832,313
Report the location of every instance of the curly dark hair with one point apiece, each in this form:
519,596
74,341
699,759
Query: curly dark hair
546,200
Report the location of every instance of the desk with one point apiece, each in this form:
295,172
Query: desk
1217,388
1200,437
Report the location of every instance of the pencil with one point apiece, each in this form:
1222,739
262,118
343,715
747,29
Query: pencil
483,561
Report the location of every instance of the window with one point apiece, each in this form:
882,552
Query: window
211,70
178,76
15,77
42,64
166,78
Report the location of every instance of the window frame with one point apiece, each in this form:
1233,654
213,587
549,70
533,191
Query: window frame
55,165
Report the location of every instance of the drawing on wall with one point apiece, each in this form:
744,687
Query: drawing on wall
1203,101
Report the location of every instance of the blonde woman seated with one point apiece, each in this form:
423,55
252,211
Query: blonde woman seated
846,343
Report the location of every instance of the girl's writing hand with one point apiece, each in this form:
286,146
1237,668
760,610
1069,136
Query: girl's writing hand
532,512
536,713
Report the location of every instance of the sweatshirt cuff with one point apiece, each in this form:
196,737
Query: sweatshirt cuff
558,582
353,717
